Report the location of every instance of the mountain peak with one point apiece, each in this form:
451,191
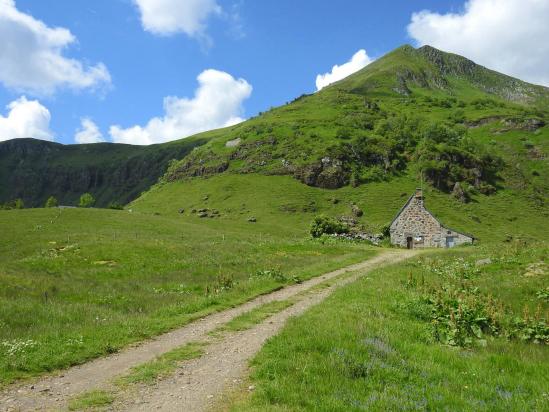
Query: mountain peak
407,68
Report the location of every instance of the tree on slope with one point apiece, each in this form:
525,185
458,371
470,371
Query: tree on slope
51,202
86,200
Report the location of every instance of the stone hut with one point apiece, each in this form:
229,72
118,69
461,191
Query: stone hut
415,227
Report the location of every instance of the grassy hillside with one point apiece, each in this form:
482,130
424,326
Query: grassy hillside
33,170
477,139
383,121
280,200
412,110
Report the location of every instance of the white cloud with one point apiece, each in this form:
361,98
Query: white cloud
88,132
359,60
26,118
31,56
168,17
217,103
510,36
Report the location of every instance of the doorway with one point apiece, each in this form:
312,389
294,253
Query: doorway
450,241
409,242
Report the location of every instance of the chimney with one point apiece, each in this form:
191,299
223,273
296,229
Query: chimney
419,193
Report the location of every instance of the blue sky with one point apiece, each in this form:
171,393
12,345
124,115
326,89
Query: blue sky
131,58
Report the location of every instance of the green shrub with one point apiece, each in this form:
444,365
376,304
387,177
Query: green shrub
386,230
51,202
274,274
86,200
459,316
327,225
543,294
446,156
530,330
115,206
13,204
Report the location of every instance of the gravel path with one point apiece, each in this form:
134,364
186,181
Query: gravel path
199,382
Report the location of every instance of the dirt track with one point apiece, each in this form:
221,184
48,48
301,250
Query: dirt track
198,383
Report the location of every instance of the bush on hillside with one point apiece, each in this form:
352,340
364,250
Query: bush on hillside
327,225
446,157
115,206
51,202
386,230
14,204
86,200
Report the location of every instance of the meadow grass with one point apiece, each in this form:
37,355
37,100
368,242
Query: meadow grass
76,284
163,365
97,399
255,316
365,348
285,206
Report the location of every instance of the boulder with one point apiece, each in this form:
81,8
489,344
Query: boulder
482,262
356,210
459,193
233,143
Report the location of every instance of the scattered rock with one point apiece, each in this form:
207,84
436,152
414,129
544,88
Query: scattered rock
251,388
369,237
234,142
287,165
181,211
535,269
482,262
104,263
356,210
459,193
328,173
529,125
252,219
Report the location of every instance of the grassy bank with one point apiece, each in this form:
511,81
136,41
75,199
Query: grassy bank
382,344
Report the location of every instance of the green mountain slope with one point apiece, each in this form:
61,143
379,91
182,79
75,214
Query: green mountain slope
411,115
34,170
412,112
411,109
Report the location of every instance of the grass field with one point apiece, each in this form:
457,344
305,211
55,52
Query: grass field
76,284
374,345
80,283
281,202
